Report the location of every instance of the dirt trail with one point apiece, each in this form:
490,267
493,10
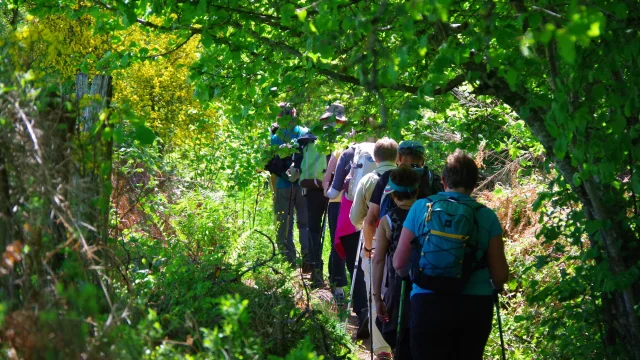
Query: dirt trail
364,350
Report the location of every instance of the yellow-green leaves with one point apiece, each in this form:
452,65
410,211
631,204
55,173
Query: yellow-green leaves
302,14
312,28
594,29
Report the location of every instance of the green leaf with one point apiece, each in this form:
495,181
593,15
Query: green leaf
566,46
591,226
594,29
145,135
202,7
129,17
621,10
535,19
512,77
560,147
107,133
546,35
302,14
313,28
118,136
124,61
422,50
286,12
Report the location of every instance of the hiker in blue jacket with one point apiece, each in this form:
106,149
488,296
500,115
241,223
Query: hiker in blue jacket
288,199
457,254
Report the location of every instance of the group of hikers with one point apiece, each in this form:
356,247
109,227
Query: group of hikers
425,259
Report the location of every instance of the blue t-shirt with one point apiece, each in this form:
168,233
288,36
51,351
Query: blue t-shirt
488,228
284,137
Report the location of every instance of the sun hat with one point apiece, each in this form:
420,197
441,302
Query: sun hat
336,110
286,109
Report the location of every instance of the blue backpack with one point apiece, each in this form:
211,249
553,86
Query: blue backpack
446,248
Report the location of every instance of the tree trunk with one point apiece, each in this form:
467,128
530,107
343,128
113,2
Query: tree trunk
590,194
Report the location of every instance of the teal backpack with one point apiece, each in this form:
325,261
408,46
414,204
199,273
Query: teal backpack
313,167
446,249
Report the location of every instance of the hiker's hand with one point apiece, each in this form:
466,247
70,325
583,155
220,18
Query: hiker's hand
381,308
293,174
368,253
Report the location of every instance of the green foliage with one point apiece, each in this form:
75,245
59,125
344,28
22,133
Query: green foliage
550,87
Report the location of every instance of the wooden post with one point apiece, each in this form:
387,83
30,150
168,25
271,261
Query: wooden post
99,91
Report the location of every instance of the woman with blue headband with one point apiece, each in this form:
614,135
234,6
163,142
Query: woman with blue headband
403,188
452,247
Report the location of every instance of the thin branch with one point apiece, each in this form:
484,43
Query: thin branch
548,12
172,50
258,264
32,134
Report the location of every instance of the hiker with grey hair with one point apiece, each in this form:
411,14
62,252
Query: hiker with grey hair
385,153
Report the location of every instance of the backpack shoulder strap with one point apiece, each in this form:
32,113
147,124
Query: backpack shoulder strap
474,205
436,197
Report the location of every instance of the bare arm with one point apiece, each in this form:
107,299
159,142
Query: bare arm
497,262
359,208
402,257
382,247
369,226
331,168
383,236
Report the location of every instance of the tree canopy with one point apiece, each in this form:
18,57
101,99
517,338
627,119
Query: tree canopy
554,80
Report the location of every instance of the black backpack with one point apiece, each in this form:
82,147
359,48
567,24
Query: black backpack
392,295
430,184
279,166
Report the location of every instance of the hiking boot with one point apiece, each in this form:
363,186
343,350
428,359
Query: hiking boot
339,299
363,325
318,284
384,356
307,268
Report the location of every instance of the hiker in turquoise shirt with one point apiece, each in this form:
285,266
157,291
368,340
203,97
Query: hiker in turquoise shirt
288,198
454,320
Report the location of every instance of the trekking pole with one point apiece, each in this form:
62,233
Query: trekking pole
497,301
353,279
324,228
371,319
318,251
400,314
287,233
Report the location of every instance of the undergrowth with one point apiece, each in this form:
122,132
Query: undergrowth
212,248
